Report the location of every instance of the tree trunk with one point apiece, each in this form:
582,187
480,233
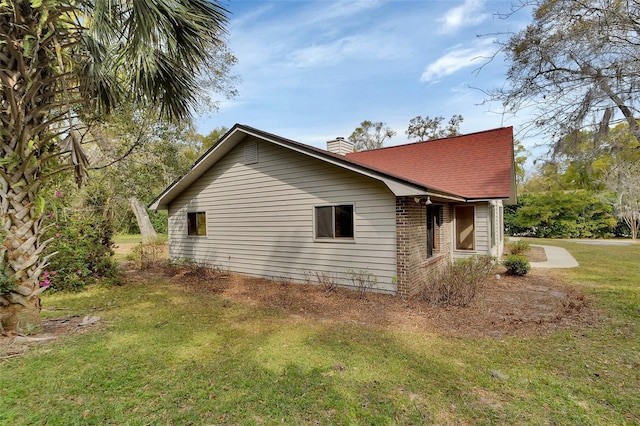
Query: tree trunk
146,228
21,253
29,80
16,318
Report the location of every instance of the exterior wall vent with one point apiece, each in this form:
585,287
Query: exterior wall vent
340,146
251,153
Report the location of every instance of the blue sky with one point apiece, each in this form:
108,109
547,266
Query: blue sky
313,70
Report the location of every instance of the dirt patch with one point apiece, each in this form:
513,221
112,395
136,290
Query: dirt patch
533,254
536,254
124,248
531,305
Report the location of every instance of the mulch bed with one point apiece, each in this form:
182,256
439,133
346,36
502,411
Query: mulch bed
535,304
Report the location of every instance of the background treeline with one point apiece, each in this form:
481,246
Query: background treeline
587,187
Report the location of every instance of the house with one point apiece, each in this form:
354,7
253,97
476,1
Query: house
266,206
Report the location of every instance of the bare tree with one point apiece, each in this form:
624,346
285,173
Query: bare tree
624,181
575,65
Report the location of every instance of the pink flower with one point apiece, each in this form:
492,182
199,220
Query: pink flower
79,272
51,215
57,235
46,274
58,194
45,283
54,273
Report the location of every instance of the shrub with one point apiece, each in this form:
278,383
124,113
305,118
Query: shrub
363,281
147,255
82,244
458,283
516,265
328,282
197,269
518,247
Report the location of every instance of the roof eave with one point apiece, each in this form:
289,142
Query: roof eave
226,143
479,199
398,186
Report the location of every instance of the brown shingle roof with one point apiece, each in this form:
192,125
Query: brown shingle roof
476,165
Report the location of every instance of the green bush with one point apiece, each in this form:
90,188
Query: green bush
560,214
516,265
160,221
82,244
518,247
459,282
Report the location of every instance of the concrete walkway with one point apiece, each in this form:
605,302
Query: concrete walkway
557,257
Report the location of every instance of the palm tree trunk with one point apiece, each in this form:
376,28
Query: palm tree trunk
25,144
21,250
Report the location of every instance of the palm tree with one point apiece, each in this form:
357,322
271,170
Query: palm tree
64,64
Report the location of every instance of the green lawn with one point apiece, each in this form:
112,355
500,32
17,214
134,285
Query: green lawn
171,355
127,238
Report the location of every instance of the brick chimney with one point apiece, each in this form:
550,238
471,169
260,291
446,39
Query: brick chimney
340,146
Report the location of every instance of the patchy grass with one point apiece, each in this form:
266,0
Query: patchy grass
170,355
127,238
611,272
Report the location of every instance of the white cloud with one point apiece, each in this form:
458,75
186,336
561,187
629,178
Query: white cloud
464,15
363,46
459,58
308,35
332,13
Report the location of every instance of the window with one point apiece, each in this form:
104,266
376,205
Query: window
197,223
465,234
433,229
334,222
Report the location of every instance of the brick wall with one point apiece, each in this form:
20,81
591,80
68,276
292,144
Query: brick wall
414,268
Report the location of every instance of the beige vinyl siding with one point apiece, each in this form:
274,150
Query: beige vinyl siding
260,218
498,250
482,237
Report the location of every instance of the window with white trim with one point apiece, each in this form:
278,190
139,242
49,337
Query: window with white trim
196,223
334,222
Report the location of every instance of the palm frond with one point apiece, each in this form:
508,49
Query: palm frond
158,49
